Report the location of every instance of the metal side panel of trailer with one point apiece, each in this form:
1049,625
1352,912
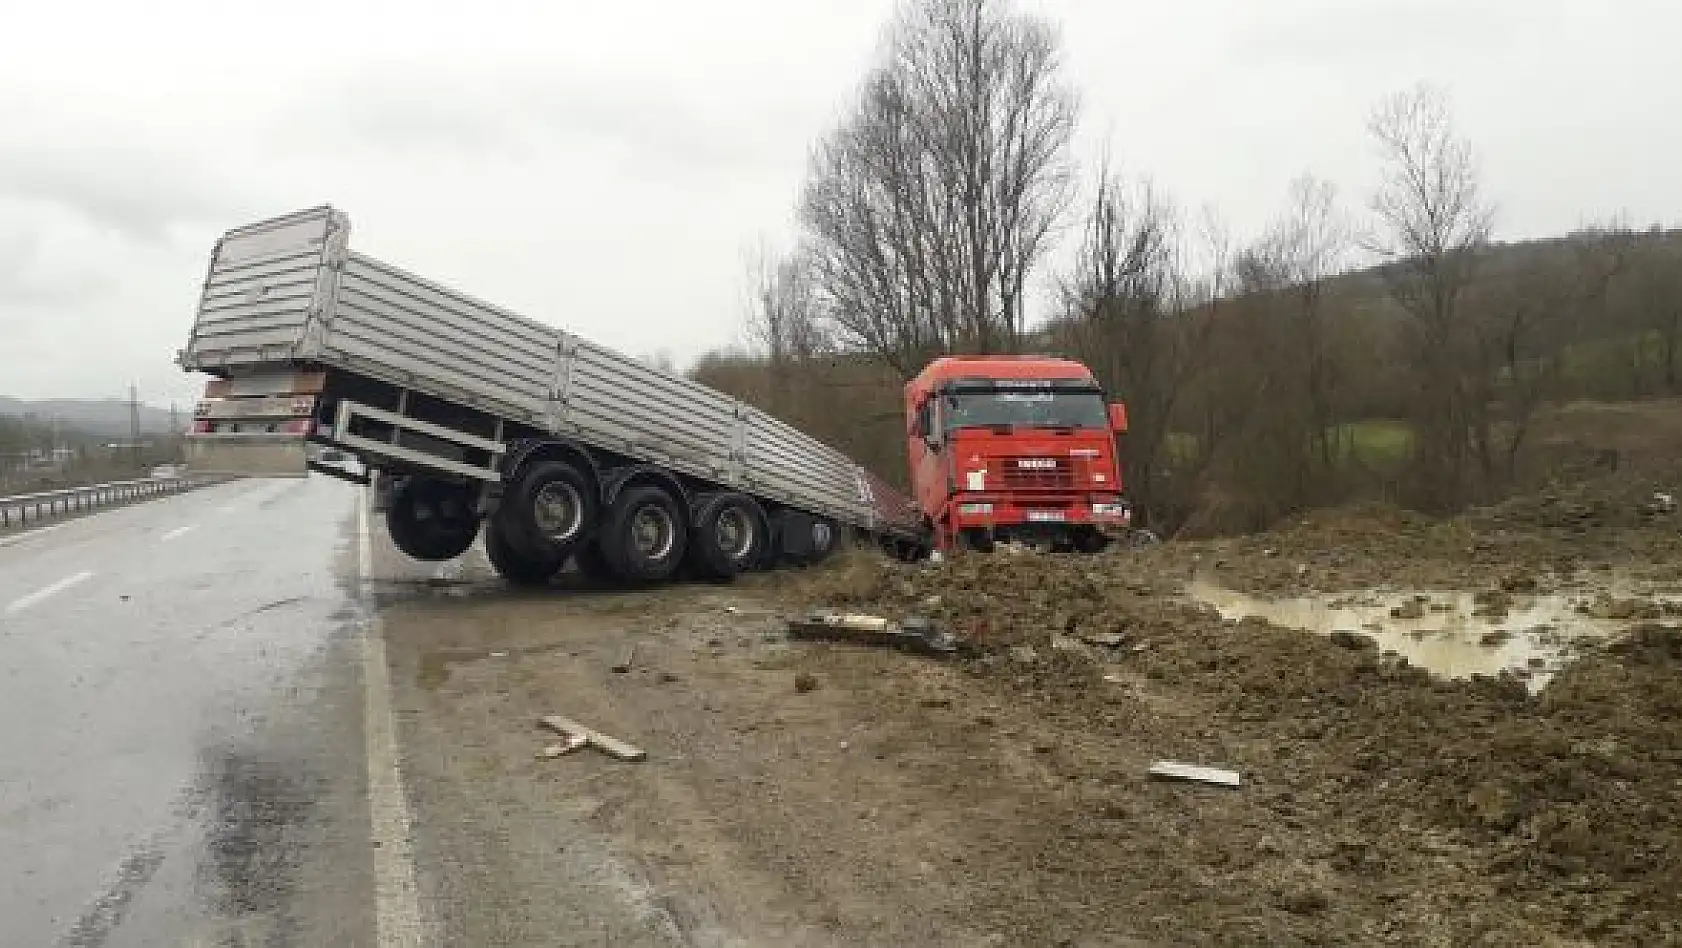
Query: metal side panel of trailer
290,291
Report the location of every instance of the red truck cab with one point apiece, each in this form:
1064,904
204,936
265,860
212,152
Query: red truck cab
1018,448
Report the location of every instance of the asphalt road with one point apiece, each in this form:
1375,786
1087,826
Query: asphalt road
183,757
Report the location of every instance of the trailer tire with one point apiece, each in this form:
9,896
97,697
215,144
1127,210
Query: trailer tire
643,536
550,507
803,539
593,566
728,536
431,520
515,564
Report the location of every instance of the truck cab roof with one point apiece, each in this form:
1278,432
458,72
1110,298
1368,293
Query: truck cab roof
949,368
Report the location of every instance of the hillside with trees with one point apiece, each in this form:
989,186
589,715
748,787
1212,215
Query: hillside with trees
1382,344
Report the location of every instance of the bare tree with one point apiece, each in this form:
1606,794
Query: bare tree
1123,318
1433,224
783,322
1291,266
1657,280
928,209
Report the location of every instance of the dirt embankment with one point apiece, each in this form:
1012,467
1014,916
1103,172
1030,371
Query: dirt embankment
824,794
1381,803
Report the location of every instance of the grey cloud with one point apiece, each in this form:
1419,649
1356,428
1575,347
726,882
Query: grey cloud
1369,30
133,190
522,114
30,276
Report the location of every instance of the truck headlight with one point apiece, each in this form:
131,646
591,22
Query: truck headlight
1110,509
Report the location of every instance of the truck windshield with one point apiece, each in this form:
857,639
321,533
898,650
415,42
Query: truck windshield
1044,408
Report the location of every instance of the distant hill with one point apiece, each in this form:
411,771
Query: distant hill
105,418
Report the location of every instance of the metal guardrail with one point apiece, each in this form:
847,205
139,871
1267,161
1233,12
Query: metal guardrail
21,509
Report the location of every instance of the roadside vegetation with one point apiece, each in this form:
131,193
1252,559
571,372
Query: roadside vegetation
1371,345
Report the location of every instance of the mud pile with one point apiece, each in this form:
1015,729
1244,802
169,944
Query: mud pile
1561,806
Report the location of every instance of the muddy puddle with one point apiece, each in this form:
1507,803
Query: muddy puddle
1455,634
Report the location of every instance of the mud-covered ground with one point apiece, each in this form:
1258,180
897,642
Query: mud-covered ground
824,794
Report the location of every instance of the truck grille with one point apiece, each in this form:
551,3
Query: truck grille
1032,473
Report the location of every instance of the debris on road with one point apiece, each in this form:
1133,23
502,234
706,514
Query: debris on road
575,731
916,635
805,681
626,657
572,743
1173,770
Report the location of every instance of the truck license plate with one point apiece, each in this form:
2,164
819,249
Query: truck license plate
1045,516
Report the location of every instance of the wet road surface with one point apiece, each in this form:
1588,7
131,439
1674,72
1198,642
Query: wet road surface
181,724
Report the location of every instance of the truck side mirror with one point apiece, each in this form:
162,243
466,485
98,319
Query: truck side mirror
1118,417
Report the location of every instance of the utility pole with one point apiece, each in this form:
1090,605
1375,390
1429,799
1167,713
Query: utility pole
134,423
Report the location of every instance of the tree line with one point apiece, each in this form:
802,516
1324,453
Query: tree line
1387,345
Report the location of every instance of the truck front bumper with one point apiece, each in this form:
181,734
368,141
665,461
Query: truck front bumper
1051,515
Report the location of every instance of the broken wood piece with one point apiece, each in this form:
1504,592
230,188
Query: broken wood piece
914,634
612,745
572,743
626,657
1172,770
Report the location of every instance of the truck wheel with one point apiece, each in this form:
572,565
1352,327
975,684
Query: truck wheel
550,507
804,540
592,565
1089,541
431,520
516,565
975,540
728,535
643,536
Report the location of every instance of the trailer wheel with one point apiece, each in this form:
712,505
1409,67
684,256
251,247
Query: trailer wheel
516,565
593,565
643,536
728,536
430,519
803,539
551,506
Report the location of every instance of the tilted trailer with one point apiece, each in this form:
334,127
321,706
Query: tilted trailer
470,418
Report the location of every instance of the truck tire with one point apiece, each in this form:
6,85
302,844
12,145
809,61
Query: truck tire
550,507
643,536
431,520
728,534
515,564
592,565
1088,541
804,539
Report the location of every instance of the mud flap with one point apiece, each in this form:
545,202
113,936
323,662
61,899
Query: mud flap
248,454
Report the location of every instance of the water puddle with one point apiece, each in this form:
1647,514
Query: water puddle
1455,634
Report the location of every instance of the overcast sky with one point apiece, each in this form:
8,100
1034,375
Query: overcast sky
604,166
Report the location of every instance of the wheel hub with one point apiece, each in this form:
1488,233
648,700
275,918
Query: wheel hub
652,533
733,533
557,510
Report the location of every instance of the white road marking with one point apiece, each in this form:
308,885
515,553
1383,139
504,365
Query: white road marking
397,916
44,592
176,533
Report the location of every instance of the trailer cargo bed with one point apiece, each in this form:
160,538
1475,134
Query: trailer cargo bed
418,376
